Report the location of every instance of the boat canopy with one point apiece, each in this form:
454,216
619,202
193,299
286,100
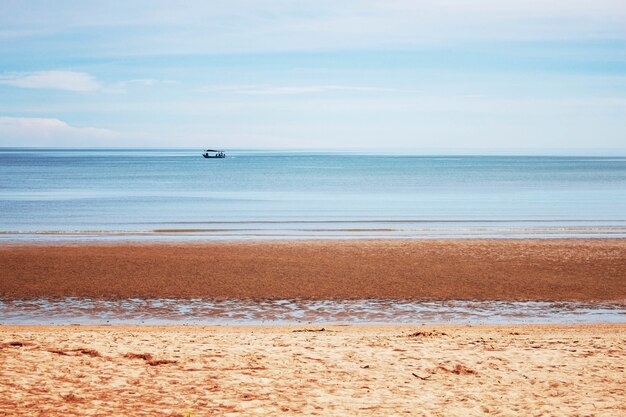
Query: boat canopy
211,150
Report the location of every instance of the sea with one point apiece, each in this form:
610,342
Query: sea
76,195
176,194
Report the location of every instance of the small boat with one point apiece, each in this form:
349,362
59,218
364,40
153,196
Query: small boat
213,153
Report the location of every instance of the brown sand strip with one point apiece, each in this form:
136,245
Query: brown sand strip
346,371
572,269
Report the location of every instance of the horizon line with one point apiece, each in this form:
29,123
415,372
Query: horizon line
504,151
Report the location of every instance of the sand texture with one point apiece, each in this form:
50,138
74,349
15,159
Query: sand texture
572,269
341,371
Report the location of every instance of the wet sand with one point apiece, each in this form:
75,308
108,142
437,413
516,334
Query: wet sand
181,311
473,269
343,370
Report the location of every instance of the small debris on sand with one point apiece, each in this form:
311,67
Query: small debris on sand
80,351
459,369
144,356
160,362
15,344
433,333
89,352
149,359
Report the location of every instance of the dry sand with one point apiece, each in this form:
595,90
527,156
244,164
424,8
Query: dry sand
548,269
342,371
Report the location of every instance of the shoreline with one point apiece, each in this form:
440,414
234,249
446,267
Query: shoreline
390,230
308,327
589,270
174,240
195,312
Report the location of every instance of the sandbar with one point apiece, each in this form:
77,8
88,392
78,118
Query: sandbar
462,269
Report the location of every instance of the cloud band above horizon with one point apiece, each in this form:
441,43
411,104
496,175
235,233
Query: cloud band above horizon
446,73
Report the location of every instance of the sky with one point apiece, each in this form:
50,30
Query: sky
351,74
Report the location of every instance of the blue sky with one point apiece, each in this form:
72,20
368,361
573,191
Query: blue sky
445,74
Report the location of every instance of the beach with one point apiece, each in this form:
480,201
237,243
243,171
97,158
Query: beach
312,370
452,269
317,209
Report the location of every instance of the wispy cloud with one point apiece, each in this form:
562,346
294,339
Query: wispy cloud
55,80
123,86
164,28
290,90
73,81
41,130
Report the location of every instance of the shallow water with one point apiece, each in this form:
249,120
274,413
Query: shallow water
91,194
241,312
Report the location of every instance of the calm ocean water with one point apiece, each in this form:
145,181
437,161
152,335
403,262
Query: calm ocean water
176,194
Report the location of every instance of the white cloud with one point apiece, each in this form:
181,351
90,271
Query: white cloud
124,86
72,81
290,90
28,131
55,80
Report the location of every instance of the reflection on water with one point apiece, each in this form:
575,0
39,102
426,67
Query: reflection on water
175,194
362,229
210,311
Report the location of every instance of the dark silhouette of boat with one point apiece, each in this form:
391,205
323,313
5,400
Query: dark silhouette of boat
213,153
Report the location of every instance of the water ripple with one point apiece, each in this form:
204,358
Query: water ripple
234,311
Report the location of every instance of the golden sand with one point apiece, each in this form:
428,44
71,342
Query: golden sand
341,371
